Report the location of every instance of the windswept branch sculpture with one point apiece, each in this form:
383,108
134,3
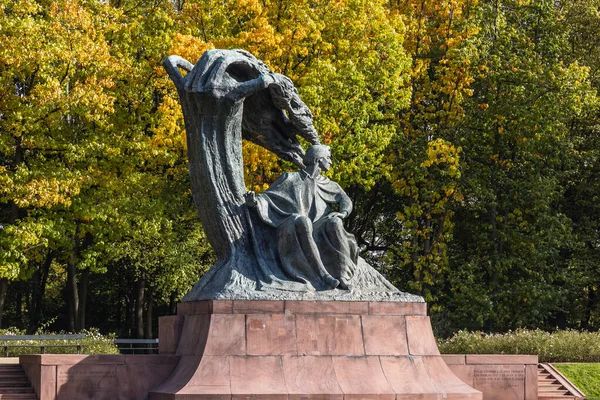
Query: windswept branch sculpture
229,95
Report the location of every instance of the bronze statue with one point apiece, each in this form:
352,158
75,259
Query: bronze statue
288,242
312,244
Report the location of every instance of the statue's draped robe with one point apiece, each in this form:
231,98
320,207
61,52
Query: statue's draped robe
297,196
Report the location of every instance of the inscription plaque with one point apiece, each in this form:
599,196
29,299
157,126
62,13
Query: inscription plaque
500,382
98,382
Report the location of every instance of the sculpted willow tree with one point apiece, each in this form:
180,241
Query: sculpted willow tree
226,95
346,58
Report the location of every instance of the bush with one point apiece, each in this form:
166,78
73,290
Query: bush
94,343
558,346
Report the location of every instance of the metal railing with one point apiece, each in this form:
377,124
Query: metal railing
41,341
137,346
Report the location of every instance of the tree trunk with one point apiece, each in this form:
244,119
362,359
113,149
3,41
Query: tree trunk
39,280
173,303
587,314
83,291
127,330
72,289
27,290
139,308
149,309
72,297
19,306
72,294
3,291
12,219
119,315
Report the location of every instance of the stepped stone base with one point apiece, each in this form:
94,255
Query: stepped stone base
305,350
96,377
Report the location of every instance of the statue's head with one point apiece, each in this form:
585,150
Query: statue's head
317,153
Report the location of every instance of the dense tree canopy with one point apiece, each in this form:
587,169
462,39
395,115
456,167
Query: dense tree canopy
465,131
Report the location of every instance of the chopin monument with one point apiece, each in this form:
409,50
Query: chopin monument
289,310
289,242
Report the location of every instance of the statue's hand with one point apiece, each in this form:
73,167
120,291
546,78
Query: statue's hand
250,197
334,214
269,79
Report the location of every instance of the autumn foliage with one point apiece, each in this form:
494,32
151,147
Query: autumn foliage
464,130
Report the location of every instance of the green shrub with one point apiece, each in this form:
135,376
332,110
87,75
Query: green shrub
559,346
94,343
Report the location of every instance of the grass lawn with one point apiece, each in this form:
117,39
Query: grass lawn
585,376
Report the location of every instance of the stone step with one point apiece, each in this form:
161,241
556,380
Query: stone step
556,389
552,385
563,397
14,389
548,382
13,378
14,383
557,393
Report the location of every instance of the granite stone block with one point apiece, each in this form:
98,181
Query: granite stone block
420,336
308,375
169,331
454,359
89,381
194,335
226,335
329,335
151,359
136,380
446,381
251,376
500,381
531,382
397,308
271,334
463,372
384,335
327,307
407,376
258,307
362,377
501,359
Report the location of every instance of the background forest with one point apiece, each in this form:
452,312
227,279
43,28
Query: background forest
467,133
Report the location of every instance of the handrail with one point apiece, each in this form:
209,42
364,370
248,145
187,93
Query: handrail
133,346
136,341
41,338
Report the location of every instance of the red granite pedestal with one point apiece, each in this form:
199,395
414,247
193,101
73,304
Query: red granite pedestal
305,350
